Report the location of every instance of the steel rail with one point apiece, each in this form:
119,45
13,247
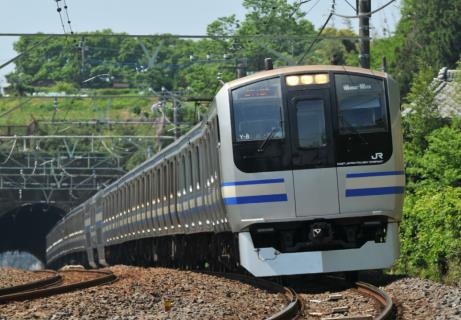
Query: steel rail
105,277
379,295
294,307
53,280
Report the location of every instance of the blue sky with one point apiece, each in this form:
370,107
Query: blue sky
185,17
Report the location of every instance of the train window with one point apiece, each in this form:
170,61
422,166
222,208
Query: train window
311,124
364,136
257,111
184,174
158,193
361,104
147,190
198,164
190,175
142,191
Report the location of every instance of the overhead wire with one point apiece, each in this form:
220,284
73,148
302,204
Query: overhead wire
365,14
186,36
11,151
312,8
67,15
319,33
350,5
59,10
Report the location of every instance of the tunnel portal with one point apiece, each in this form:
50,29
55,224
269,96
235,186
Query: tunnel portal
25,229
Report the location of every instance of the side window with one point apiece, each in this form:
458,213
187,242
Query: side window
257,111
361,104
190,180
184,181
198,165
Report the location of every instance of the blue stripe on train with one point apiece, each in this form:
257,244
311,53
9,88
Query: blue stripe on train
374,174
374,191
250,182
256,199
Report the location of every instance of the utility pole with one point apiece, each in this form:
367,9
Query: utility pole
364,12
82,47
176,118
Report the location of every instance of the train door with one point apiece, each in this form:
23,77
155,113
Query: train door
313,159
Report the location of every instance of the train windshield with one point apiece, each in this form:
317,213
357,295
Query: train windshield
293,123
363,126
257,111
360,104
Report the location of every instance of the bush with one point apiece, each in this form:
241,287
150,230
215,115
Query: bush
430,234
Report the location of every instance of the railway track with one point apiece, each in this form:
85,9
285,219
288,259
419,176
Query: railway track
335,299
58,282
319,298
328,298
294,305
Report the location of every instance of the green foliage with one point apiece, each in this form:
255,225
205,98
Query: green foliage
136,110
66,87
384,48
344,52
430,234
441,161
421,113
427,35
431,238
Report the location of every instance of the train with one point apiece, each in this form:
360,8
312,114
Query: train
294,170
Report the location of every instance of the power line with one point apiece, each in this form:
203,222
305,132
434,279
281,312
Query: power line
365,14
313,6
183,36
25,51
350,5
59,10
319,33
67,15
60,15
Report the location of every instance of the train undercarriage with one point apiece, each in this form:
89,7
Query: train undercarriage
204,251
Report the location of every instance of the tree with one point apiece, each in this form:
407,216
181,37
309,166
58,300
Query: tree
428,35
338,47
430,236
271,28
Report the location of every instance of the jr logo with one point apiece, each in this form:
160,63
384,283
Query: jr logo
377,155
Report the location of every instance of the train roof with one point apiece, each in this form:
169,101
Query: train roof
305,68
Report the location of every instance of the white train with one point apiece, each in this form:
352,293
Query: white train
296,170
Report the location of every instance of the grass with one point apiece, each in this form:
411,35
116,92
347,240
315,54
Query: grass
22,111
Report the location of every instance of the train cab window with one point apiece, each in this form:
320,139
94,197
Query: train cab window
257,111
364,135
361,104
311,124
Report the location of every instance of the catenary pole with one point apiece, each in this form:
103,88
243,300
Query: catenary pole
364,12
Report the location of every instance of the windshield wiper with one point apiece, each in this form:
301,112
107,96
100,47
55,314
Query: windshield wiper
263,144
351,129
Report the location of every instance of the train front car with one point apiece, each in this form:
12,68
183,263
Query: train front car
312,169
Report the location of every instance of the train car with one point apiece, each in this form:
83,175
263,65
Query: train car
295,170
67,240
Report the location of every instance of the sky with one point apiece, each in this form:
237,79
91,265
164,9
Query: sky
181,17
